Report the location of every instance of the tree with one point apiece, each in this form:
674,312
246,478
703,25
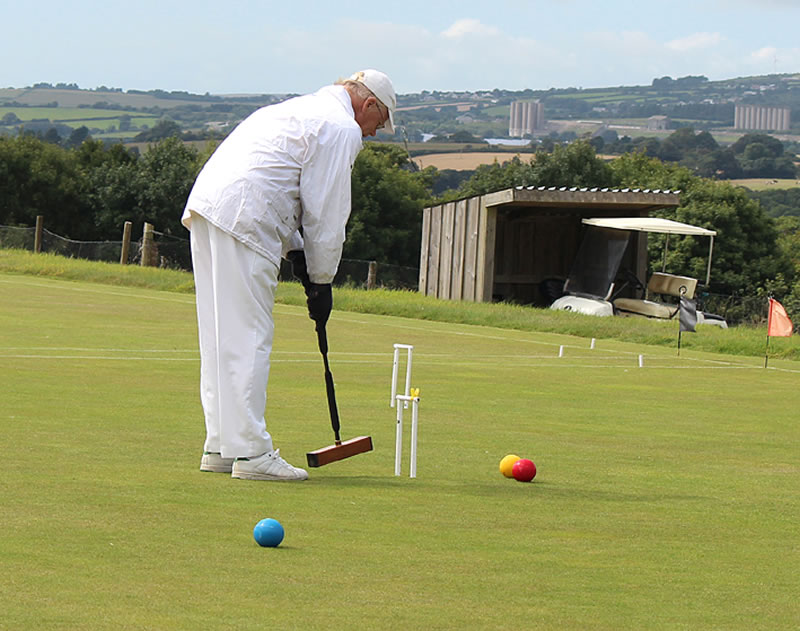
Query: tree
162,129
10,119
387,202
761,155
570,165
686,146
745,249
746,256
110,192
638,170
789,245
164,178
495,177
770,146
597,143
720,164
77,137
779,202
575,164
38,178
52,136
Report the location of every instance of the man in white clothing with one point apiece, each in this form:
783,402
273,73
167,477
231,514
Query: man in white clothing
278,186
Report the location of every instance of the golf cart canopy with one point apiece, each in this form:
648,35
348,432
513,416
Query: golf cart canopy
649,224
657,224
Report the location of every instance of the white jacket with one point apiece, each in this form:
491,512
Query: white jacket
284,167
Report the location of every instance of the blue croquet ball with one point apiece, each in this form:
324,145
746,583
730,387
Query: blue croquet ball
268,533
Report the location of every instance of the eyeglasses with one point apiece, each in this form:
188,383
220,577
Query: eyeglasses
380,113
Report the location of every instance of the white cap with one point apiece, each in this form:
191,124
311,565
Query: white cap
380,85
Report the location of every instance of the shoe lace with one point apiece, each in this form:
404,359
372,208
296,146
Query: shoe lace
276,455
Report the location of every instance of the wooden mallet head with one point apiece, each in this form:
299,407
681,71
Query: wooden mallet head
340,451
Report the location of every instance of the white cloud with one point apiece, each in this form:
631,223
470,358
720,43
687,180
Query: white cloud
466,55
694,42
768,53
470,54
769,59
629,45
467,26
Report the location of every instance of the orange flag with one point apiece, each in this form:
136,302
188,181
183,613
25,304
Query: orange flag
778,323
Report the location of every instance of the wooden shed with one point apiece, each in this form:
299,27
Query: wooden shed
507,245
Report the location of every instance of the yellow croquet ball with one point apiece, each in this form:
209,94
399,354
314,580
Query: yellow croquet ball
507,465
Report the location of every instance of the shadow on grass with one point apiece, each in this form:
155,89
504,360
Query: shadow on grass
555,490
492,489
358,481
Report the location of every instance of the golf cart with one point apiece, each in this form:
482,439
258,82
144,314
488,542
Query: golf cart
591,286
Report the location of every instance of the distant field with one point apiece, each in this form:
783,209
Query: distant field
602,96
62,114
438,147
73,98
497,110
79,116
766,184
465,161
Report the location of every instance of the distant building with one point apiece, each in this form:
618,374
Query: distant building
526,117
658,123
758,117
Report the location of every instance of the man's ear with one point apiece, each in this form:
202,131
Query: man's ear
367,102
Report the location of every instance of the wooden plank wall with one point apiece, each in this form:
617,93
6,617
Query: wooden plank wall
424,250
484,287
459,247
455,260
446,252
471,236
471,251
530,249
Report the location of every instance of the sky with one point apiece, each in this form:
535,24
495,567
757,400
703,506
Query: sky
296,46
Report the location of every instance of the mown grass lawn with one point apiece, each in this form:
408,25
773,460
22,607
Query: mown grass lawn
665,498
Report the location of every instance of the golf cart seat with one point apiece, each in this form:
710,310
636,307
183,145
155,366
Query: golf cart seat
663,285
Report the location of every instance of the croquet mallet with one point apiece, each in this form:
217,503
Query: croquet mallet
339,450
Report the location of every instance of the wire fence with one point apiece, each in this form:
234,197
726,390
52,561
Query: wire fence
175,253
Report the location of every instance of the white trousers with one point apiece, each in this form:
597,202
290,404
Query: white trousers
235,289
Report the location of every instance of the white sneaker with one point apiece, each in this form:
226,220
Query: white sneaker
215,463
268,466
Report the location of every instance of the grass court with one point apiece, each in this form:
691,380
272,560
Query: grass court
666,495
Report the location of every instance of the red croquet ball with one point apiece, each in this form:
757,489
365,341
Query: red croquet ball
524,470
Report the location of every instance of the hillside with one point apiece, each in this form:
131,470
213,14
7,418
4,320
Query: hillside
117,115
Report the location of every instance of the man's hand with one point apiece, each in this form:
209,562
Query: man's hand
298,260
320,303
319,298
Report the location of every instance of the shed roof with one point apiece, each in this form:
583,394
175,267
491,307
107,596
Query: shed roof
595,198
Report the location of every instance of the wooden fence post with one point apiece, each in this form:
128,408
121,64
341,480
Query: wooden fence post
37,243
149,249
372,274
126,243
